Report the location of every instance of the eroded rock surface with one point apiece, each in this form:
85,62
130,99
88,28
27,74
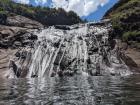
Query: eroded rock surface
80,49
16,34
23,22
130,55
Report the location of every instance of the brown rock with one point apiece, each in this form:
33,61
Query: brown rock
21,21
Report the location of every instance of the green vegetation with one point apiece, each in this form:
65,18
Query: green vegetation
125,16
45,15
131,36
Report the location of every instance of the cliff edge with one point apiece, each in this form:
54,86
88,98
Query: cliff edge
125,18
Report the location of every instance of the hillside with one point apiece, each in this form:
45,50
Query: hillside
125,16
44,15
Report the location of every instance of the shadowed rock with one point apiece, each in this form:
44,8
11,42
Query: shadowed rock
3,18
15,69
63,27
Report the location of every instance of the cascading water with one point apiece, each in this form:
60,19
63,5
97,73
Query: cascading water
83,49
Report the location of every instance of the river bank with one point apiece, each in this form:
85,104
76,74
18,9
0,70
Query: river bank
130,55
134,54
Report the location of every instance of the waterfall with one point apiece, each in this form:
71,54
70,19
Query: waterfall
84,49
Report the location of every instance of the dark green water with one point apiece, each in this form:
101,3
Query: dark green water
77,90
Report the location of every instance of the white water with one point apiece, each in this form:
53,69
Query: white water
68,50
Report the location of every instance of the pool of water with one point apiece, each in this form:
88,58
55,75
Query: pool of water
76,90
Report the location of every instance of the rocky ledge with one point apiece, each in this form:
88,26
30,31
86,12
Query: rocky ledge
130,55
15,33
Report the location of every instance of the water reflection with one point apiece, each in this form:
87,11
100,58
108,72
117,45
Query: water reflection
77,90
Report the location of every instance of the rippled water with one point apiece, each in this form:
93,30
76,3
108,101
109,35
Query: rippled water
76,90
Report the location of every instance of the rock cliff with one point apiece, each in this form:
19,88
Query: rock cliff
125,18
15,35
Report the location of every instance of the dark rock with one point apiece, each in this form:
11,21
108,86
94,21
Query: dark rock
24,71
63,27
95,49
53,74
138,38
98,70
14,68
17,44
24,54
90,53
56,44
70,62
60,73
89,60
71,73
34,76
3,45
33,37
17,54
91,72
3,18
98,99
80,38
113,74
27,42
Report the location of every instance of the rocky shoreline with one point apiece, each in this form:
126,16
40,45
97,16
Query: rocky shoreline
130,55
134,55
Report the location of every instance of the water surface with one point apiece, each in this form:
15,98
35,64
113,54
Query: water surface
76,90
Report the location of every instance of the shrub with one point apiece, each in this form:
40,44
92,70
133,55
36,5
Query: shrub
125,16
45,15
128,36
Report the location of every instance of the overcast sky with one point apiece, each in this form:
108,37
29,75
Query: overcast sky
86,9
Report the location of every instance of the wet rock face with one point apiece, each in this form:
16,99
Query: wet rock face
16,33
81,50
19,65
15,37
57,52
